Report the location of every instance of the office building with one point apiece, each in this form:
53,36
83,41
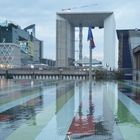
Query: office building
31,48
66,23
129,53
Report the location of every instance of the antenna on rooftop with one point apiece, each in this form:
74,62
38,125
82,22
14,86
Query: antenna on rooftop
79,7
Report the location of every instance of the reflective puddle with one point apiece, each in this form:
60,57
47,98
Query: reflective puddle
68,110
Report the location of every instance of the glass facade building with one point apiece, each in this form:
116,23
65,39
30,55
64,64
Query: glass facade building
30,46
129,53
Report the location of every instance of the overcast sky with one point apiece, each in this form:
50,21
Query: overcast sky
43,14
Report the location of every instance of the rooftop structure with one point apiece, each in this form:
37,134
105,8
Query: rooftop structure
85,62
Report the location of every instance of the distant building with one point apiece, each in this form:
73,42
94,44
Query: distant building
129,53
85,62
48,62
31,48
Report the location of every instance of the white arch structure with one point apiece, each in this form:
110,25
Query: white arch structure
65,35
